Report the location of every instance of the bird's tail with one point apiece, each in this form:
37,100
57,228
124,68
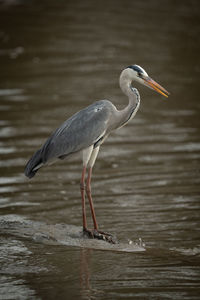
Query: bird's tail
33,164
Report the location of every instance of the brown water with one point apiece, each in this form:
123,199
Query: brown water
57,57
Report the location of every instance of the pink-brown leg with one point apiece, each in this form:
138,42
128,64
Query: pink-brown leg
88,191
95,233
82,187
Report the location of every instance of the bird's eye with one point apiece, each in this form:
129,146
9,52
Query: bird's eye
140,74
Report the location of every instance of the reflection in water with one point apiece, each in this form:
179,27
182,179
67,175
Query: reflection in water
58,57
85,255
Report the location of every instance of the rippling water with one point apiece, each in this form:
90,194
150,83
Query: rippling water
55,59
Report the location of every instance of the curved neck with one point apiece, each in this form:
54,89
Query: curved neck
133,95
125,84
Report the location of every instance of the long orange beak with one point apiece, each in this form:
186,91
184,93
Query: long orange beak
157,87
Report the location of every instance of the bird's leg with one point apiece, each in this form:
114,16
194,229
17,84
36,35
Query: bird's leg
88,191
95,233
82,187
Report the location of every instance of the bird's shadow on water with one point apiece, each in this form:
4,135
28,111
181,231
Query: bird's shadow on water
61,234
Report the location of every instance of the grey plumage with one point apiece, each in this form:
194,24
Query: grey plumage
35,160
73,135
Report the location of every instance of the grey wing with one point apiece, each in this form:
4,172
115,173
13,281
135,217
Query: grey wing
80,131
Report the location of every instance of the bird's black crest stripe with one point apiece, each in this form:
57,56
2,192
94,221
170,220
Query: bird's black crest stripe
136,68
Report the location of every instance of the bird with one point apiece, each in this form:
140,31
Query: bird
84,133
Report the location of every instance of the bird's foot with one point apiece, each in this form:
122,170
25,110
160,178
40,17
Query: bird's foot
100,235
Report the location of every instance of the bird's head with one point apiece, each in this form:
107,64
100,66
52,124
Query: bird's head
137,73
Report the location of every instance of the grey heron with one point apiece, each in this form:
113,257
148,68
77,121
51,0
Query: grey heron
84,133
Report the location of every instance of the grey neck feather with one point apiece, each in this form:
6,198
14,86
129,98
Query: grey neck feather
133,95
